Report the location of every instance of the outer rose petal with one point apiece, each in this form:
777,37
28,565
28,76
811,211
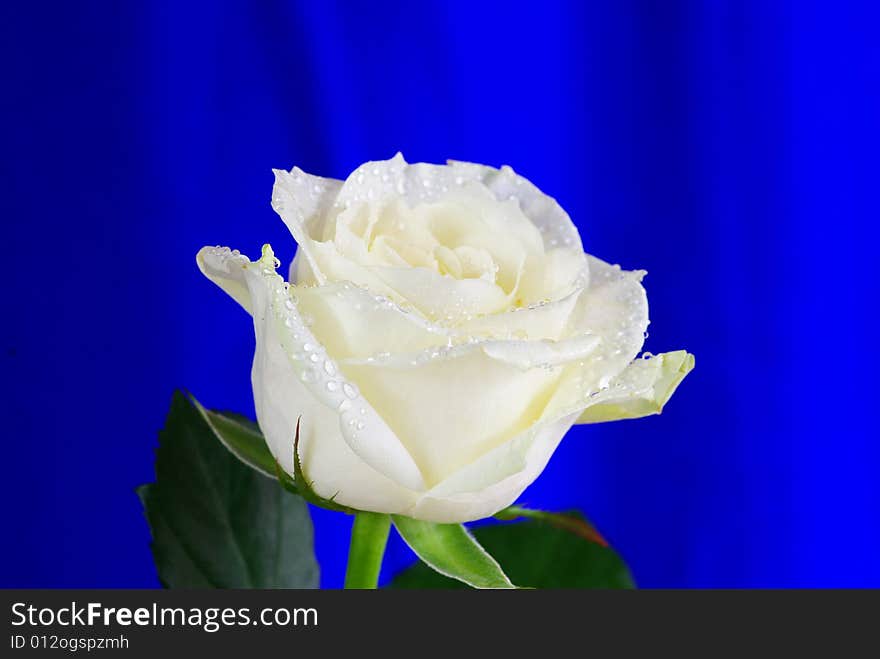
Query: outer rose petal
450,408
335,470
615,307
641,390
493,482
303,202
277,321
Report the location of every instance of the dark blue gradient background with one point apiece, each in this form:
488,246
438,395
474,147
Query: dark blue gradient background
729,148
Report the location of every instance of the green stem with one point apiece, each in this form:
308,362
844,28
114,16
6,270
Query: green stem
369,534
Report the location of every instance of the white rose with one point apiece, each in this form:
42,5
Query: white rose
442,331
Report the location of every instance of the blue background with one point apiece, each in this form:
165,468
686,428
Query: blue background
729,148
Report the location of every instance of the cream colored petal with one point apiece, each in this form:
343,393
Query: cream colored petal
615,308
424,184
548,320
301,272
440,297
554,224
354,323
336,268
277,319
345,317
496,480
385,181
641,390
436,297
220,271
469,218
335,470
527,355
304,201
556,275
451,406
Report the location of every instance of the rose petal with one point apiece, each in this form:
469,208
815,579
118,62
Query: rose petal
435,296
354,323
546,214
303,202
495,480
454,404
277,320
558,273
334,469
615,308
440,297
641,390
548,320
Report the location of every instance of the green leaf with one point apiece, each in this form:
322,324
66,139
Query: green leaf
242,437
539,553
217,523
450,550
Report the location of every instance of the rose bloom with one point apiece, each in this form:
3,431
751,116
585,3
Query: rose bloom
442,330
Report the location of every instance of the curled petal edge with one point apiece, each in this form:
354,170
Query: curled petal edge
642,389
